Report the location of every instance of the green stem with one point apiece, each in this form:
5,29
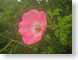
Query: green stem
11,39
5,47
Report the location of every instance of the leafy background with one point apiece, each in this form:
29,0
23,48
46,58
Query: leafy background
57,38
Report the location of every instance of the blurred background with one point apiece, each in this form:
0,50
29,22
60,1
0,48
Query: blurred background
57,38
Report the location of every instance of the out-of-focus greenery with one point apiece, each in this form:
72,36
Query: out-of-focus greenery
57,38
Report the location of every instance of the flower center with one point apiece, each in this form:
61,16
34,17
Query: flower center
36,27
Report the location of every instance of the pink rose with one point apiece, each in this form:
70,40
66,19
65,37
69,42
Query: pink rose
32,25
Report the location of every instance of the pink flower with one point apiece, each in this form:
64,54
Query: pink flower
32,26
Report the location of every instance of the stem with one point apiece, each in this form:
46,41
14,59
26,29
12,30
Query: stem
11,39
5,47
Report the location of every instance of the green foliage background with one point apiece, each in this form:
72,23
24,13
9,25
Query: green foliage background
57,38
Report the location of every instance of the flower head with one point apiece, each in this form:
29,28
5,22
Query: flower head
32,26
